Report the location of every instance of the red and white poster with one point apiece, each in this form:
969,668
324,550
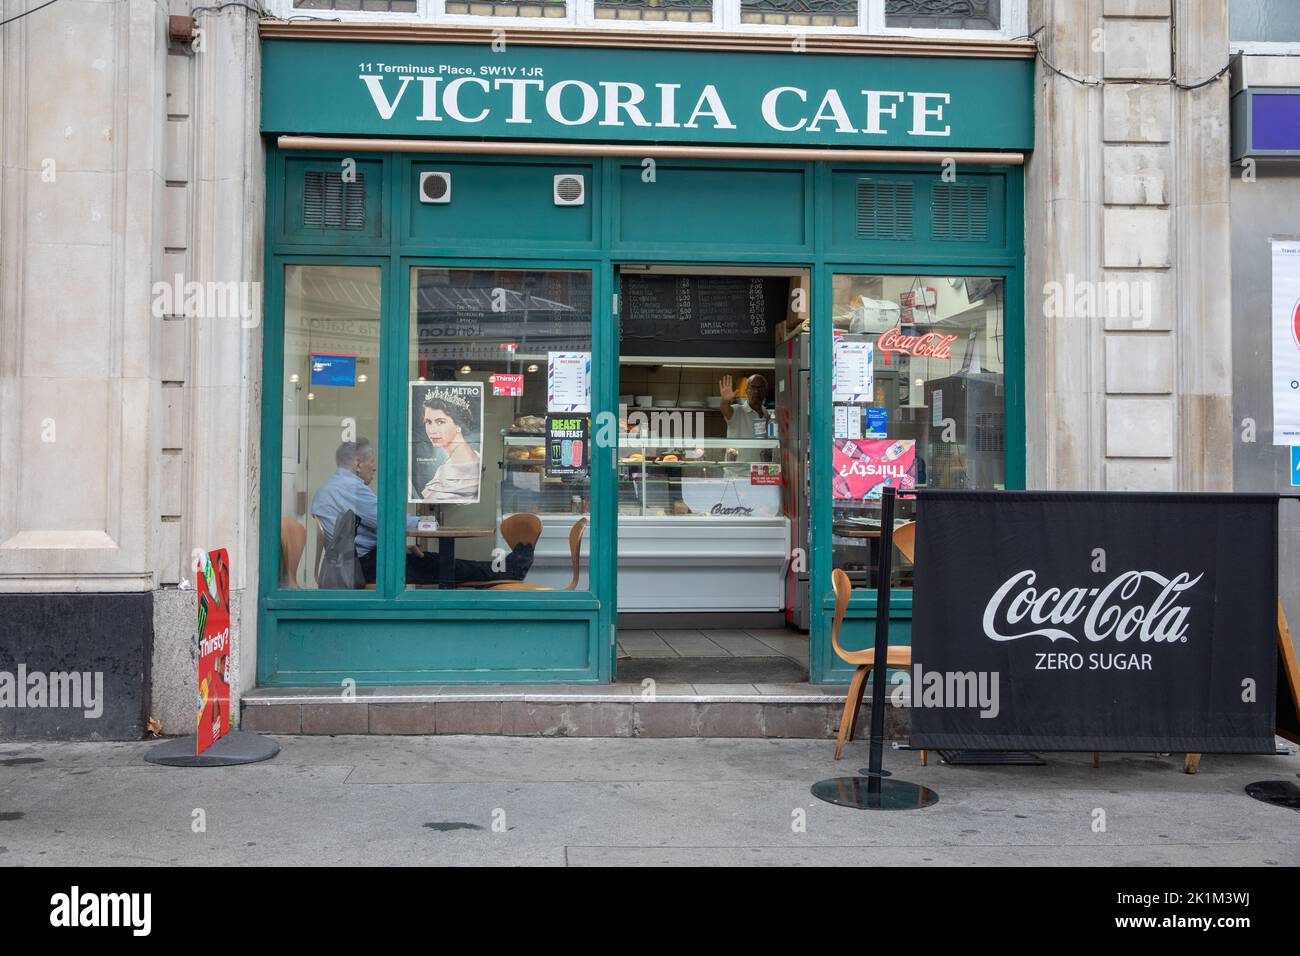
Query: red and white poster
506,385
863,467
213,584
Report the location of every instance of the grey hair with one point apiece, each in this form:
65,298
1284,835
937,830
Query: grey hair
350,452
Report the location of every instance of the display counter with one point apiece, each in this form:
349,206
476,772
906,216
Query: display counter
699,528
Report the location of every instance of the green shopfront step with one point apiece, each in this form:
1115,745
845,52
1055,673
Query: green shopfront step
616,710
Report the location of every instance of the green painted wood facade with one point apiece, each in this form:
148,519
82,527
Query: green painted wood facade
694,212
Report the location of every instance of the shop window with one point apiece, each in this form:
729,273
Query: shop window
812,13
363,6
498,461
918,401
552,9
943,14
1264,21
655,11
330,455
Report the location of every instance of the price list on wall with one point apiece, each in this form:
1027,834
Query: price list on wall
702,315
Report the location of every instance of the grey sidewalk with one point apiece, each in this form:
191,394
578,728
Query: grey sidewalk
417,800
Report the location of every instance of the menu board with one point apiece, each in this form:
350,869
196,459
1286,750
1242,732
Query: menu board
702,315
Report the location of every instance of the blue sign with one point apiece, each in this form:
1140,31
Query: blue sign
877,422
340,370
1266,122
1295,466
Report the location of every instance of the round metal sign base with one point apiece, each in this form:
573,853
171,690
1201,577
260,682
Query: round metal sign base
237,747
1280,793
866,772
874,793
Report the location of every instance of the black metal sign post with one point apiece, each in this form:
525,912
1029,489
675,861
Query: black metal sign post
876,790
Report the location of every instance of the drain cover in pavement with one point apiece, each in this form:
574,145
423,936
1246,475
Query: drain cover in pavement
1280,793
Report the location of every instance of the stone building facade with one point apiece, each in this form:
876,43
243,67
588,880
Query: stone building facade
129,432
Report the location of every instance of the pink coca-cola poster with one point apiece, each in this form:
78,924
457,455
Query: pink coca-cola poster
863,467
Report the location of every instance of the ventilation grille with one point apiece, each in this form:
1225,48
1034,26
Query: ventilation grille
884,210
988,433
961,212
331,203
568,189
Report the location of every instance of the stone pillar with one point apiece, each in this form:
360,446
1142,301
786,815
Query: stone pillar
81,180
1126,212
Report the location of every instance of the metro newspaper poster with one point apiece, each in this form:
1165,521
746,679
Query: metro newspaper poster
213,584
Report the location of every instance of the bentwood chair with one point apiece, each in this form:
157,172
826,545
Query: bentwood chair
864,659
905,542
575,551
521,528
293,540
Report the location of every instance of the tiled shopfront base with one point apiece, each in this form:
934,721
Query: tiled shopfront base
742,710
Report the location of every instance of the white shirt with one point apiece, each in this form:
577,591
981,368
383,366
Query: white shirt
745,424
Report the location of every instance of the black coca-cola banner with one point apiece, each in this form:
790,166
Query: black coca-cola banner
1095,621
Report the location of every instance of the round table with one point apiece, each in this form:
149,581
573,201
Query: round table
447,548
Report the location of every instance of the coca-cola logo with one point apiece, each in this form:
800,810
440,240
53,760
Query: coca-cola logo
930,345
1141,604
721,509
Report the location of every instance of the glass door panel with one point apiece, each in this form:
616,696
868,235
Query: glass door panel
918,400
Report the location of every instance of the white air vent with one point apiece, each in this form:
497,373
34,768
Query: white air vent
435,187
570,190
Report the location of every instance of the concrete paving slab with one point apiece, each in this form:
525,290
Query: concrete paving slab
495,800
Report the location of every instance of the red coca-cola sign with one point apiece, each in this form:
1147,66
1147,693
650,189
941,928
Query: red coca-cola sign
930,345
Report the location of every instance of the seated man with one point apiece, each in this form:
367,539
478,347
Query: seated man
348,489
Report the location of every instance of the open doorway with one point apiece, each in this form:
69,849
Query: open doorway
713,450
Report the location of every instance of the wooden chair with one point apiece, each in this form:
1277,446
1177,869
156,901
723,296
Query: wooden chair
575,551
864,659
521,528
293,540
905,541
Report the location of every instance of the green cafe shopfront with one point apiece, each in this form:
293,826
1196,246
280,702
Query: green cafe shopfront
513,291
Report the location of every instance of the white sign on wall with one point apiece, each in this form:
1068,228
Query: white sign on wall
1286,342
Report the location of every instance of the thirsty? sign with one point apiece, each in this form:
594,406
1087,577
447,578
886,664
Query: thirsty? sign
212,582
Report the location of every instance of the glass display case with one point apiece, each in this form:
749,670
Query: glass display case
526,484
705,477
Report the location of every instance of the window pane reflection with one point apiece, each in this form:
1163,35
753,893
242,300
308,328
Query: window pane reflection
492,495
930,412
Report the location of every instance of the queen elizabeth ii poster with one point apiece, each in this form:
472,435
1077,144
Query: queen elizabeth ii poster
445,464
